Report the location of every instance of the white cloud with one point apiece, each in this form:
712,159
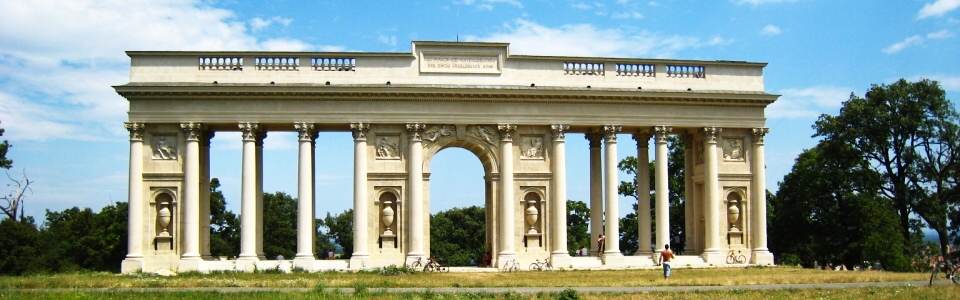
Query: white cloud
258,23
950,83
937,8
59,58
489,5
910,41
528,37
771,30
915,40
939,35
628,15
389,40
760,2
808,102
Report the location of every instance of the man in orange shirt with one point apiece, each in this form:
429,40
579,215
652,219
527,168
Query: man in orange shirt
665,257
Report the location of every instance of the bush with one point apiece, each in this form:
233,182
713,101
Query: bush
568,294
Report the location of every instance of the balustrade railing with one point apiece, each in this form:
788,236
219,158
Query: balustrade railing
686,71
641,70
583,68
334,63
268,63
221,63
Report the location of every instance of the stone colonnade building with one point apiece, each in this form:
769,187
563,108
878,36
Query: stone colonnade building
512,111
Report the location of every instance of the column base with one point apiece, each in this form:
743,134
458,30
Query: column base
247,263
560,260
612,258
761,257
189,264
358,262
303,263
131,265
713,257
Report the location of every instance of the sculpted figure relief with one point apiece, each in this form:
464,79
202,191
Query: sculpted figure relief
388,147
163,148
733,149
485,133
435,132
532,147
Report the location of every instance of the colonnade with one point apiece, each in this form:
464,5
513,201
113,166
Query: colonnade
604,196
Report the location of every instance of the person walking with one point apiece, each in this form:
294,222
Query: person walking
601,240
665,257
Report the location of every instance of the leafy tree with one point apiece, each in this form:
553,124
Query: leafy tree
676,186
19,246
76,239
456,236
828,210
279,225
340,229
4,147
906,131
224,224
578,220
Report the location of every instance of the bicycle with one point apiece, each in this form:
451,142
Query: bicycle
539,265
736,257
510,266
434,266
950,269
417,264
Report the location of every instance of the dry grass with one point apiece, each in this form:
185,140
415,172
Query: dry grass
545,279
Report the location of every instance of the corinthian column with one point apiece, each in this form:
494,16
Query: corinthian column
662,205
307,134
262,134
360,227
415,205
135,202
643,193
558,166
711,251
596,191
761,255
190,257
507,201
248,197
611,194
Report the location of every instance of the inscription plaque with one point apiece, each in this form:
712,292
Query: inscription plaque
436,63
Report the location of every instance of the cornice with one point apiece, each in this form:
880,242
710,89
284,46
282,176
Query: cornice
192,91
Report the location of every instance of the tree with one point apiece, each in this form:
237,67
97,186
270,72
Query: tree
828,210
456,236
79,239
676,186
340,229
578,220
12,203
906,131
279,225
19,246
224,224
4,147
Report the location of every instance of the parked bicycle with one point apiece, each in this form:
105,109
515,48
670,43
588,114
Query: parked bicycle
434,266
417,265
950,268
510,266
736,257
541,265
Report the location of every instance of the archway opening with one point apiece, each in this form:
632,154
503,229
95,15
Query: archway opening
459,199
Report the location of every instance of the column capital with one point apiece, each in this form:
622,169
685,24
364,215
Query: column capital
359,131
249,131
415,131
661,132
759,134
135,129
642,138
559,131
610,133
712,134
506,132
192,130
307,132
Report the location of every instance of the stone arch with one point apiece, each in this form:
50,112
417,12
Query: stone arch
485,151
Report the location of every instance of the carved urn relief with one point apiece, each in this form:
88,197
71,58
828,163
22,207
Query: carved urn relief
733,214
532,215
165,217
387,217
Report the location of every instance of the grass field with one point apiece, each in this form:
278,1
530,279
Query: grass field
936,292
625,278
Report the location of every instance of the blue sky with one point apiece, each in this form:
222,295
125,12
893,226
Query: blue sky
59,58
